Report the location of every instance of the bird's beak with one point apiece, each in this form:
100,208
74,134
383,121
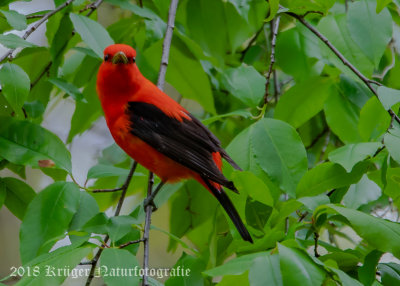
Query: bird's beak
120,58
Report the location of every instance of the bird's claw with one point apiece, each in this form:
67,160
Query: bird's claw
150,202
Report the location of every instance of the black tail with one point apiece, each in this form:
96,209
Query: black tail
226,203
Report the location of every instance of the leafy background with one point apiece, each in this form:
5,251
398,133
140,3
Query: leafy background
320,188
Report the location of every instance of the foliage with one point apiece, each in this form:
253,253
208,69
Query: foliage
320,148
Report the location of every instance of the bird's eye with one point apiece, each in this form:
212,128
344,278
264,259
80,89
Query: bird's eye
133,60
106,57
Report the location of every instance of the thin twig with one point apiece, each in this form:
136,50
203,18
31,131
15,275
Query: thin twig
35,16
160,84
93,7
316,237
367,81
36,25
274,30
167,44
130,243
117,211
147,223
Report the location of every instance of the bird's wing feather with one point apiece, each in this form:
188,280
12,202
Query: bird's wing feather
187,142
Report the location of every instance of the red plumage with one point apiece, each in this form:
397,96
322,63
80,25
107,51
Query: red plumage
158,132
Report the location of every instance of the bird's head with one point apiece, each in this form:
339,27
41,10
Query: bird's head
118,71
119,54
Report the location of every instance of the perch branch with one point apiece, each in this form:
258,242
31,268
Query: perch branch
274,30
160,84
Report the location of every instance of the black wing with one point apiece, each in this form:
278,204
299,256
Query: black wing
189,143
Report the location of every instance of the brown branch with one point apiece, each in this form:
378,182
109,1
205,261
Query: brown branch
130,243
274,31
93,7
363,78
160,84
316,237
167,44
117,212
36,25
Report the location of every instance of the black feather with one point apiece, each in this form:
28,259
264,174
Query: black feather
228,206
189,143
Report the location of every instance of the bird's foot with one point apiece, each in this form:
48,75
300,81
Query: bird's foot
149,201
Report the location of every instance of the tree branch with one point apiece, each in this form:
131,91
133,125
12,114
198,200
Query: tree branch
316,237
117,212
274,30
363,78
36,25
160,84
93,7
167,44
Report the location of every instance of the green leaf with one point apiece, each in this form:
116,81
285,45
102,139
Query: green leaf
295,54
265,271
19,195
382,4
349,155
97,224
279,152
374,120
67,87
392,143
335,28
190,269
362,193
328,176
273,9
384,235
86,210
113,259
26,143
51,266
92,33
342,117
12,41
242,7
47,219
390,273
253,186
85,112
297,268
245,83
101,171
371,31
119,226
15,85
236,266
367,272
388,96
303,101
15,19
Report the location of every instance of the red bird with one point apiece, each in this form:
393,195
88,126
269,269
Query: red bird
157,132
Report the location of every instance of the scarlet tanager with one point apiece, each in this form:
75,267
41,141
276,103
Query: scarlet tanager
158,133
